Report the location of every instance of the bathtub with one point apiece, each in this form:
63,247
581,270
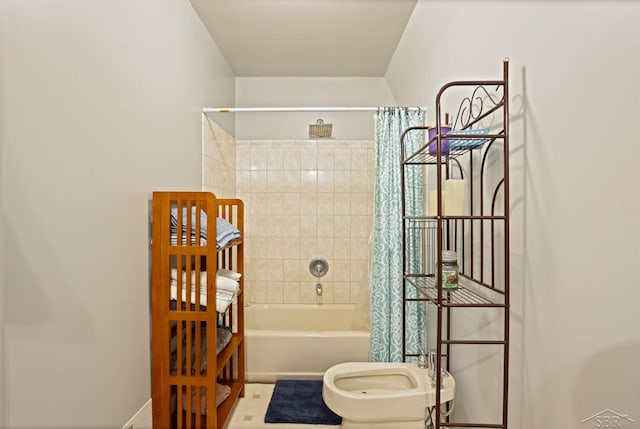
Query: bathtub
300,341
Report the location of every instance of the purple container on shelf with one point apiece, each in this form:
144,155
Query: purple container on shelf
445,143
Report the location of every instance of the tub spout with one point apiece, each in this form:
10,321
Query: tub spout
319,289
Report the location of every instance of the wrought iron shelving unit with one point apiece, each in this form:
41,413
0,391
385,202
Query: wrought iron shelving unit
480,235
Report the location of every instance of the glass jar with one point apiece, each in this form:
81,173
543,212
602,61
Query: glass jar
449,269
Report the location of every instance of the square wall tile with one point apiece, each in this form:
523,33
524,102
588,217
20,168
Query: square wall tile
291,248
293,155
291,201
291,270
308,203
291,181
309,226
341,181
342,160
258,158
275,181
275,292
341,292
325,158
308,180
342,271
243,157
308,156
275,159
291,292
342,248
325,181
358,159
291,225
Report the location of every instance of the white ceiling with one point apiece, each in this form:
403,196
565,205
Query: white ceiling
336,38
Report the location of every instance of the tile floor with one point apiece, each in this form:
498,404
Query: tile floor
249,411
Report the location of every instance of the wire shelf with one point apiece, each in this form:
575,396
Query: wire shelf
463,296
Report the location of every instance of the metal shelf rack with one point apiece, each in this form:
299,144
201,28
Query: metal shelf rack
480,235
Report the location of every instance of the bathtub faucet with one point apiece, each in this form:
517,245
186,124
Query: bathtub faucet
319,289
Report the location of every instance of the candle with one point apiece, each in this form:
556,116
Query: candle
454,197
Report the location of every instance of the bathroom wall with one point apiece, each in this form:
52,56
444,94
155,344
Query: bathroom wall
306,198
308,92
2,222
218,160
100,105
575,345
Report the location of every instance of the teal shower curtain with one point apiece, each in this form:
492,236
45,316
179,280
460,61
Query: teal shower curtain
386,277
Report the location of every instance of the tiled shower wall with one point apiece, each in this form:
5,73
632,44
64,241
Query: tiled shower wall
218,160
305,198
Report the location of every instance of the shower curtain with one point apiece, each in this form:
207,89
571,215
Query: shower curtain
387,270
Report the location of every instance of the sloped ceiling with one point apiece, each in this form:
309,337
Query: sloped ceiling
310,38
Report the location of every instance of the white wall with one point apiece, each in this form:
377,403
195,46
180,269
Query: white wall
307,92
575,339
101,104
2,271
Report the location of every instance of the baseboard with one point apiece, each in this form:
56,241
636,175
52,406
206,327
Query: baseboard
141,419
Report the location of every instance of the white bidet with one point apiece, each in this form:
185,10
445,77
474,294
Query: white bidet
382,394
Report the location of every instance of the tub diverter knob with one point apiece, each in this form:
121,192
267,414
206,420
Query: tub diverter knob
318,266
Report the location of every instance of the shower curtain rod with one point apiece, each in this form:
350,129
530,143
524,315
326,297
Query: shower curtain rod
296,109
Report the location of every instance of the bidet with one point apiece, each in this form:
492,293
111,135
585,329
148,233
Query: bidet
379,395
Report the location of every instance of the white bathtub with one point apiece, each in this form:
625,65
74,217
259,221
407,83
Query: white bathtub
300,341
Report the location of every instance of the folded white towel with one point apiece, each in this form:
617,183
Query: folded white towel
225,294
174,295
222,281
222,305
224,298
203,287
203,276
225,283
228,273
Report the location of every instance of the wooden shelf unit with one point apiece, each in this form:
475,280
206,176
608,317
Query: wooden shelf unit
185,330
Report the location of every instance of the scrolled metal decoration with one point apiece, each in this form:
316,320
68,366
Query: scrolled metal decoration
472,108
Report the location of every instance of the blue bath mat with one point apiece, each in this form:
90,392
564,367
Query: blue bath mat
299,401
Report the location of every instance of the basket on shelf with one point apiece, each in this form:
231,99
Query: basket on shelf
320,129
